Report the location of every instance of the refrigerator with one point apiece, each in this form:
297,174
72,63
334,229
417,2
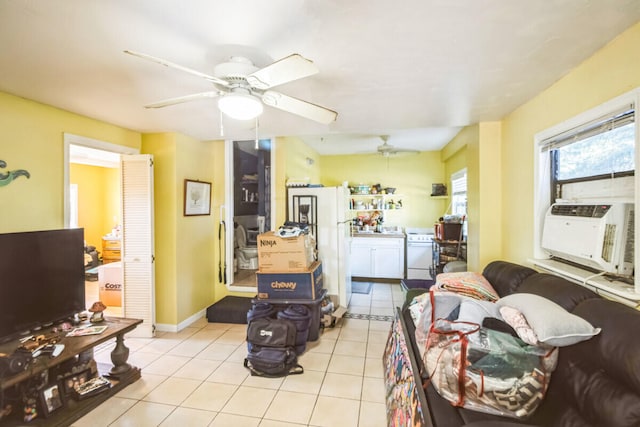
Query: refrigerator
326,211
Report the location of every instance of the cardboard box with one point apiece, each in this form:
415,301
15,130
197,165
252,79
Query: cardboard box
330,319
110,284
305,285
285,255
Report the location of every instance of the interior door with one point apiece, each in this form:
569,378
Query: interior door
137,242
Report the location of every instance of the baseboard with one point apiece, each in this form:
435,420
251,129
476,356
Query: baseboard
167,327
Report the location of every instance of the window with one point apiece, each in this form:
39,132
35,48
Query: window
590,158
459,193
598,150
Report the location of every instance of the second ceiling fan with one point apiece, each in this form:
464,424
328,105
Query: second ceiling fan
242,88
387,149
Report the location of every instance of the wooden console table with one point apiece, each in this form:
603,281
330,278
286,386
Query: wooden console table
120,374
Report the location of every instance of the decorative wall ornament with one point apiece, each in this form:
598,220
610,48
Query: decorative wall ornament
7,178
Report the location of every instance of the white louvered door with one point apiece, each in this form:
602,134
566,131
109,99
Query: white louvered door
137,242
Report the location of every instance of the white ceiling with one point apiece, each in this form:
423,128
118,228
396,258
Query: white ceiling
417,70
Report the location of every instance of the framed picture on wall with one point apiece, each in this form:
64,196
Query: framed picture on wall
197,198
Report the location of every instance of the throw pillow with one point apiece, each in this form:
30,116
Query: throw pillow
518,322
552,324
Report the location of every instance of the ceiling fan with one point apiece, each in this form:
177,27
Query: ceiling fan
387,149
242,88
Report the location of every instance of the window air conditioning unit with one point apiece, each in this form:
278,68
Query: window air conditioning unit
599,236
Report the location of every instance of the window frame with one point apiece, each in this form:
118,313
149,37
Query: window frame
541,170
607,123
462,173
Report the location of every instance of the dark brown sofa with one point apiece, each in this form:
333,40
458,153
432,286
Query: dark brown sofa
596,382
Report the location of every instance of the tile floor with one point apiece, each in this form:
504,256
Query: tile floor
196,377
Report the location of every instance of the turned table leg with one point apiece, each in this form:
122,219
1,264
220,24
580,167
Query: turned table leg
119,357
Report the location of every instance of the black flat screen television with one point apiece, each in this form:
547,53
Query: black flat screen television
41,279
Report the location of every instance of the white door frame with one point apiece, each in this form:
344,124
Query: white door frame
227,212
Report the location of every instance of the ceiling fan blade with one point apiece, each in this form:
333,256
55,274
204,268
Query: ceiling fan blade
299,107
186,98
292,67
405,150
160,61
396,151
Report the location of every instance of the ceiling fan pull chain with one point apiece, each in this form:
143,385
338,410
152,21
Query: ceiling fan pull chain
221,125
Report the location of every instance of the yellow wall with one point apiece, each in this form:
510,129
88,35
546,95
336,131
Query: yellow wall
411,175
37,203
486,214
297,166
195,235
163,148
291,156
32,139
185,259
113,199
612,71
477,147
453,164
454,157
98,200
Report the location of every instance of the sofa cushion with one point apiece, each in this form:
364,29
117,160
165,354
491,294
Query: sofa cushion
616,350
599,397
597,382
552,324
506,277
564,293
580,396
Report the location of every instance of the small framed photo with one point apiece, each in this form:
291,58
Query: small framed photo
70,383
197,198
51,399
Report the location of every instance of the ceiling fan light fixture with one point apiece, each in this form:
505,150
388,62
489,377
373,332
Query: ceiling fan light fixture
240,106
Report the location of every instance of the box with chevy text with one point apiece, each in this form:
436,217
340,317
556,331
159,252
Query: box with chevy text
285,254
286,286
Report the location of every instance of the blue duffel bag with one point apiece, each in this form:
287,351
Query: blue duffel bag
259,310
300,315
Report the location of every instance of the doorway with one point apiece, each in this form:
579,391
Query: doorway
92,182
250,208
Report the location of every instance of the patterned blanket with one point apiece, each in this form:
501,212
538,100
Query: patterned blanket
467,283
